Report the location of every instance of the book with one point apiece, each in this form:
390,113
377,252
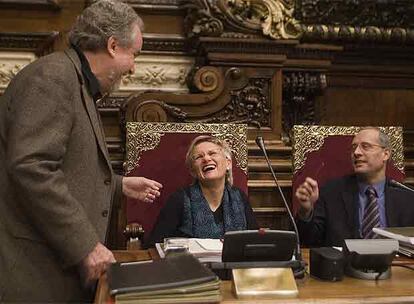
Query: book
264,283
172,273
401,234
206,293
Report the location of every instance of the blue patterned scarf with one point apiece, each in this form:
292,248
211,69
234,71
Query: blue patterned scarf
198,219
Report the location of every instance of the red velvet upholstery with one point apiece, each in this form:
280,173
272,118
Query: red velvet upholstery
332,160
166,164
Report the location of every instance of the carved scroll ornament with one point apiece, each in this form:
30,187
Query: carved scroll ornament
385,21
274,18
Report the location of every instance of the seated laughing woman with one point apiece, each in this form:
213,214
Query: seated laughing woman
210,206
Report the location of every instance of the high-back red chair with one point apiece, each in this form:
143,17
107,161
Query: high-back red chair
157,151
324,153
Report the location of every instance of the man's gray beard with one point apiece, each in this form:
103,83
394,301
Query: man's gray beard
116,80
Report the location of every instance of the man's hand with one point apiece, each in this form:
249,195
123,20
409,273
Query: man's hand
307,194
95,264
141,188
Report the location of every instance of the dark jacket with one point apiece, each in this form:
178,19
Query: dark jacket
171,216
335,216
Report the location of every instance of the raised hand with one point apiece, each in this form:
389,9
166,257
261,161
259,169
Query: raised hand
141,188
307,194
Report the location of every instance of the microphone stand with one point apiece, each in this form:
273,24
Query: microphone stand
298,253
400,185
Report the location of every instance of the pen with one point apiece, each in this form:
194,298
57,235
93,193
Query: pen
135,263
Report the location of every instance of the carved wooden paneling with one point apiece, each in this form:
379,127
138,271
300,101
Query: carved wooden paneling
31,4
238,95
10,64
159,72
38,43
299,99
268,63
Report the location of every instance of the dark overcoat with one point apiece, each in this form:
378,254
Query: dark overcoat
57,186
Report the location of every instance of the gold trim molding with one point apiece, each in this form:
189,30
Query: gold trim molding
10,64
166,73
142,136
310,138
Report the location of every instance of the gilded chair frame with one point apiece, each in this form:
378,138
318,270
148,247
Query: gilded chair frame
310,138
144,136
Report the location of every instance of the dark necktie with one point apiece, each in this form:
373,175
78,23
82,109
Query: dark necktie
371,217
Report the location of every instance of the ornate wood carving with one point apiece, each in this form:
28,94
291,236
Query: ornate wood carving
356,20
299,92
218,95
19,49
380,13
169,6
249,105
273,18
11,63
309,20
39,43
165,43
31,4
112,112
166,73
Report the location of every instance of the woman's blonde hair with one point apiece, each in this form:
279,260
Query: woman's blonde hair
208,138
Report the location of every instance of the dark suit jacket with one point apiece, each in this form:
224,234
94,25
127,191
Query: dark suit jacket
335,216
57,184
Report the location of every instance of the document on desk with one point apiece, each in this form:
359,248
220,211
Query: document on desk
404,236
206,250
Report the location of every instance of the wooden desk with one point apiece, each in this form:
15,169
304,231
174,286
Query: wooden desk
398,289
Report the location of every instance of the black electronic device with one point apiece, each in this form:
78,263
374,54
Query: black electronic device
326,263
369,259
258,246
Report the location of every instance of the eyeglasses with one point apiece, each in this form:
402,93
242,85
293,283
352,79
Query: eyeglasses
366,146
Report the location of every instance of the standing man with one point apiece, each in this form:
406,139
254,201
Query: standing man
349,207
57,185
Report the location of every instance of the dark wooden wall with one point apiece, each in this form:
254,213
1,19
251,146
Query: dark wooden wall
333,66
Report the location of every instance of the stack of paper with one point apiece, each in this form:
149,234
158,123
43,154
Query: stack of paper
206,250
178,279
404,236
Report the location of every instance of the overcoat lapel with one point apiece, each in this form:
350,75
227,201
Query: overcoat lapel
350,198
90,107
390,208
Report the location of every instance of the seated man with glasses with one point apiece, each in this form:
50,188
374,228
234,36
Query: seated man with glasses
349,207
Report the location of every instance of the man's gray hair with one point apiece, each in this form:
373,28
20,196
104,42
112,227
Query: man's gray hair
100,21
383,138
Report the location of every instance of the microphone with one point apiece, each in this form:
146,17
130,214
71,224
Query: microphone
393,182
260,143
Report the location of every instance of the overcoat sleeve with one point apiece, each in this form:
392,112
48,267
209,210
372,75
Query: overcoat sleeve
40,124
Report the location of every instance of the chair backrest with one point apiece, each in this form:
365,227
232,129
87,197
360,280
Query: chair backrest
323,153
157,151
